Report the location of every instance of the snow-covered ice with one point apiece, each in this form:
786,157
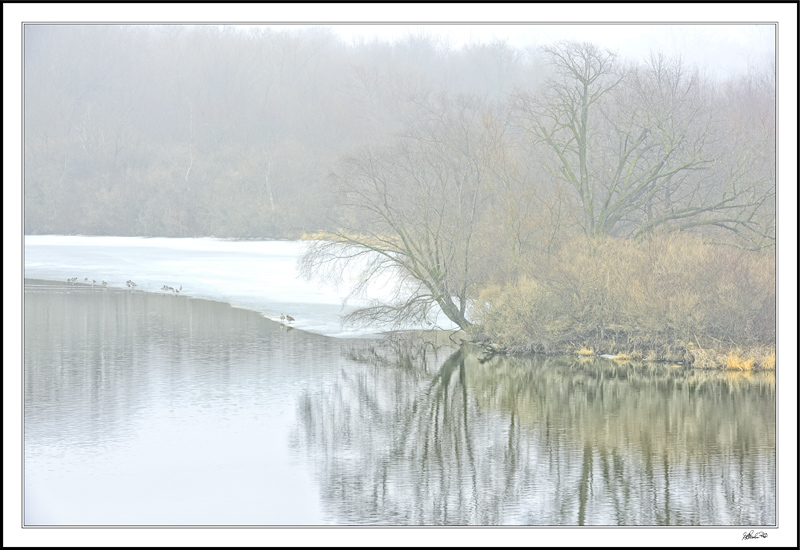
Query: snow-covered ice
258,275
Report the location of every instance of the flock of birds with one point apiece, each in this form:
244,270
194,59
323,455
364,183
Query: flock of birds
166,288
131,285
287,318
72,281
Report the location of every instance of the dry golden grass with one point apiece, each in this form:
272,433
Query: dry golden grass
757,358
733,361
318,236
584,352
622,357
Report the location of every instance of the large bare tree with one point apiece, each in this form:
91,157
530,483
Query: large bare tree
415,208
642,147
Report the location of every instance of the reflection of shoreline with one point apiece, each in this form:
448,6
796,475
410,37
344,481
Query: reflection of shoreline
733,362
539,441
650,403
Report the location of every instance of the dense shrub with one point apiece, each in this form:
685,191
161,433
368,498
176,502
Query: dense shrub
635,295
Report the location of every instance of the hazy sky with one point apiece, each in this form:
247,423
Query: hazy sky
722,39
720,48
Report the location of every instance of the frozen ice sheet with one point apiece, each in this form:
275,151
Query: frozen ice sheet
258,275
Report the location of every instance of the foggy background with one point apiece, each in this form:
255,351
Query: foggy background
234,131
13,204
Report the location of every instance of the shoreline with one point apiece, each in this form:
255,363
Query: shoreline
704,355
740,358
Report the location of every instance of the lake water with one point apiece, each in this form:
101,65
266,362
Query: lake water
146,408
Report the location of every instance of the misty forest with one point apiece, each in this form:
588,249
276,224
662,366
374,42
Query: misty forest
545,200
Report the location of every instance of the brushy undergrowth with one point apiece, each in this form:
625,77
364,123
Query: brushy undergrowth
744,359
670,297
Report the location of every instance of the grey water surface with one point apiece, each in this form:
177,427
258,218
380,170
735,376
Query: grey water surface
154,409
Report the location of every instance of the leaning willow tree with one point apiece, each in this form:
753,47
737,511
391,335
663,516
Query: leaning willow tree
650,147
415,209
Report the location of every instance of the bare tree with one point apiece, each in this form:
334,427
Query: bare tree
414,209
639,146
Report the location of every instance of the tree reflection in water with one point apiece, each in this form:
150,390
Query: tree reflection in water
539,441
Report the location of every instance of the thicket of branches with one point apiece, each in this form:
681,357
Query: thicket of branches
656,297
